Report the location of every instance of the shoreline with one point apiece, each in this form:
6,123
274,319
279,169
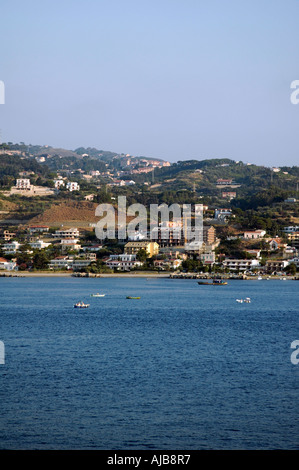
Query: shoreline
92,276
141,274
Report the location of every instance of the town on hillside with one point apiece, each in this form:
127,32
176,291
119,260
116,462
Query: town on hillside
48,199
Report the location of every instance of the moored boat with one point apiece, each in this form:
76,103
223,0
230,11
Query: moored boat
215,282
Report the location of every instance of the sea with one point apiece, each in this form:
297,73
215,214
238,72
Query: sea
186,366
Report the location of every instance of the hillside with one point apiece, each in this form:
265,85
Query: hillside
71,213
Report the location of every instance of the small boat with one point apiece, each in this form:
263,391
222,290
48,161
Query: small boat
260,278
81,305
215,282
97,295
130,297
247,300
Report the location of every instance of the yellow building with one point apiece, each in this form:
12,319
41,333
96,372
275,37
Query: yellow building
151,248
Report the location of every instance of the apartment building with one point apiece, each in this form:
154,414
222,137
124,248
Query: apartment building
276,265
151,248
23,184
240,264
67,233
123,262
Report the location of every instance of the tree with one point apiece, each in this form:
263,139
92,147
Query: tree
40,260
291,269
141,255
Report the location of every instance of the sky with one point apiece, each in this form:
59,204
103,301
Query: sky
167,79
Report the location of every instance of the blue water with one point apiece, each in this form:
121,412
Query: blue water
184,367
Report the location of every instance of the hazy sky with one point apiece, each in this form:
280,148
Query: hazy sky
162,78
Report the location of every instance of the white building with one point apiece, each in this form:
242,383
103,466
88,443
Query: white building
254,234
69,262
61,262
240,264
255,253
292,228
295,261
38,228
207,257
137,236
170,263
67,233
222,213
39,244
11,248
123,262
92,248
276,265
72,186
7,265
58,183
70,244
291,199
23,184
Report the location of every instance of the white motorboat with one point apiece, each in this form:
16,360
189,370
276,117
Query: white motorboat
247,300
81,305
